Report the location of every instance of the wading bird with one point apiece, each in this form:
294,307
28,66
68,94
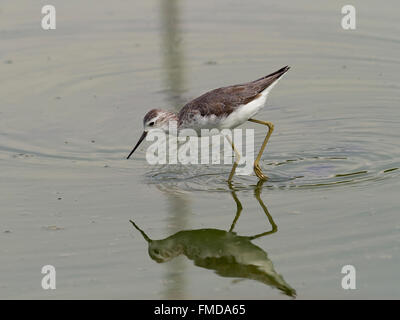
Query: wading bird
222,108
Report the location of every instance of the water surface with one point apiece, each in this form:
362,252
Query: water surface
71,107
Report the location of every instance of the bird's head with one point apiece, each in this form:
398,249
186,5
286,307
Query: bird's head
155,119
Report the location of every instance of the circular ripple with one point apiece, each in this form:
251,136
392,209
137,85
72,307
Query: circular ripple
331,167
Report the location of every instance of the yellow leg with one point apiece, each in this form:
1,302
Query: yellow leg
257,169
236,161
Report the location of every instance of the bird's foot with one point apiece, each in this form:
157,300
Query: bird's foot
259,174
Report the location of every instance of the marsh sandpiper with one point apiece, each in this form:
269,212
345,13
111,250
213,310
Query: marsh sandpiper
222,108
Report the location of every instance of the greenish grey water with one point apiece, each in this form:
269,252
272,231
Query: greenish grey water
71,104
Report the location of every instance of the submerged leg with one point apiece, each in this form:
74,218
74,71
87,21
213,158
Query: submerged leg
257,169
236,161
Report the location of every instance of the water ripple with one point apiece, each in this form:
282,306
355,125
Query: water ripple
331,167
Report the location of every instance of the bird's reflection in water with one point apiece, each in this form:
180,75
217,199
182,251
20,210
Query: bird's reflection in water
225,252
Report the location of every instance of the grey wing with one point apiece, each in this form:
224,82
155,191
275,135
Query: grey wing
219,102
222,101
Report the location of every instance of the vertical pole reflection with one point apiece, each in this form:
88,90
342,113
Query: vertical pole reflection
178,206
172,52
178,210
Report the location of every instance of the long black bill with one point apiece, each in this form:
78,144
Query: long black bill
144,134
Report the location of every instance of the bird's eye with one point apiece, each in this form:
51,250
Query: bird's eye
151,124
